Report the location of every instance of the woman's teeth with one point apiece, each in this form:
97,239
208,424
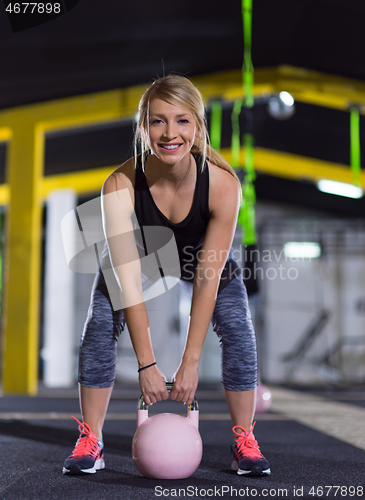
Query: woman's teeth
173,146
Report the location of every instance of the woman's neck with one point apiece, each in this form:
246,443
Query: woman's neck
169,176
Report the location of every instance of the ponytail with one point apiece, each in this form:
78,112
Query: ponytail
205,150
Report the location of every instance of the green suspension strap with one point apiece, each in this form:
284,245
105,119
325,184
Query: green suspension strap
355,153
215,132
235,141
247,68
246,217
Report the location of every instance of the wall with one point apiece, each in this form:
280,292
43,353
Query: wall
296,291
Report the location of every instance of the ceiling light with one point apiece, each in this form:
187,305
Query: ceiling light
287,98
281,106
302,250
340,188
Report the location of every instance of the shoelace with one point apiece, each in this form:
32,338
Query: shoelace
246,443
87,444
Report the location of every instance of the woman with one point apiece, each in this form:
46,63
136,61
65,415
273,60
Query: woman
175,181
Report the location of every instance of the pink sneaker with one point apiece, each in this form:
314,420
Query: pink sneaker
87,456
248,458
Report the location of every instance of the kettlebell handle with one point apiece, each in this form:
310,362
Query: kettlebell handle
142,405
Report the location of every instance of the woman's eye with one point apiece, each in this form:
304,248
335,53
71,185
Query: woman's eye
156,121
183,120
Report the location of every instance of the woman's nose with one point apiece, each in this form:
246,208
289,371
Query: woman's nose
170,131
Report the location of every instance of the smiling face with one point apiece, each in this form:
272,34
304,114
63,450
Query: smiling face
171,131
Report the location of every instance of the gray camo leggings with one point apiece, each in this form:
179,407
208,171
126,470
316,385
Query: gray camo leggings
231,321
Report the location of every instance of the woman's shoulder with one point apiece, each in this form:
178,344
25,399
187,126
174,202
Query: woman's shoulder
121,178
221,182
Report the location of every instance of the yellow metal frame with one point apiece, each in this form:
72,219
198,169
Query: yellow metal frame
308,86
25,128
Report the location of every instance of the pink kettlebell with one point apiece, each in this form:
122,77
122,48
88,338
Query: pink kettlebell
167,446
263,399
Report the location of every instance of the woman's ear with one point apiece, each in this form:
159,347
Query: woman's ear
198,133
197,140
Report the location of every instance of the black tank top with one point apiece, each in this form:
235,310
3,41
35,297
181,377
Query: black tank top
189,233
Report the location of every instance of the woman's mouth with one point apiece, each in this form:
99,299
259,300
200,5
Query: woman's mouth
171,148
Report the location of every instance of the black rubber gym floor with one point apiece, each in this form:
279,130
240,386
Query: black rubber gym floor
305,463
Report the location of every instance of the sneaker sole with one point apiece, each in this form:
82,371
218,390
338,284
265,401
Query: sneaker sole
76,470
255,471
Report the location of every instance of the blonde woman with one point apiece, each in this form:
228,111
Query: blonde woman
175,181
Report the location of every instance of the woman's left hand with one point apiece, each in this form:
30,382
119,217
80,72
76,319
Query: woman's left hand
185,382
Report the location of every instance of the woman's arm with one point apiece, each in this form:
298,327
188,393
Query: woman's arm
224,205
117,209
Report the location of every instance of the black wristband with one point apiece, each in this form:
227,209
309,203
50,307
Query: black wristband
144,367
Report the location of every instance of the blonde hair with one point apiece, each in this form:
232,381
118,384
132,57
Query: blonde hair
178,91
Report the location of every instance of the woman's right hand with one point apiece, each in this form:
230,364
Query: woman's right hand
153,385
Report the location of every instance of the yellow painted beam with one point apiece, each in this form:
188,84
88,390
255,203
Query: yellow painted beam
306,86
301,168
290,166
311,87
4,194
22,258
80,111
268,161
5,134
82,182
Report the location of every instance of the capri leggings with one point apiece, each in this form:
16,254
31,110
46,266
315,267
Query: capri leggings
231,322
